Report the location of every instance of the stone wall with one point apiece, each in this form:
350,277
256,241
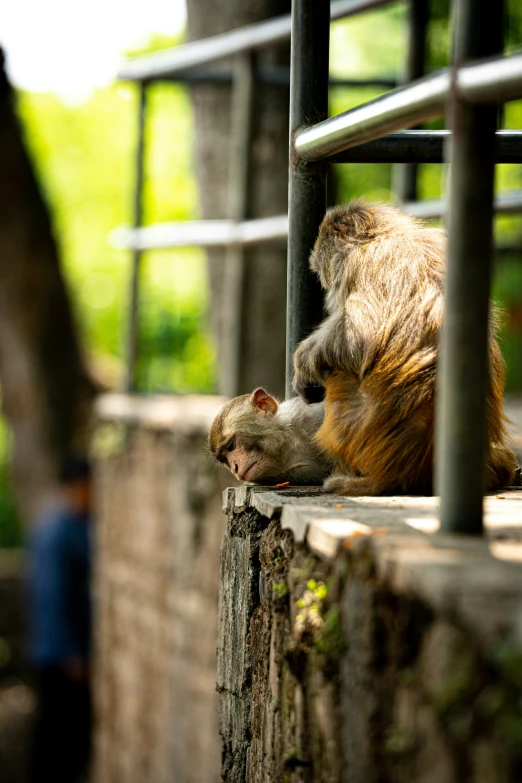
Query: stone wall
12,611
158,532
354,647
16,697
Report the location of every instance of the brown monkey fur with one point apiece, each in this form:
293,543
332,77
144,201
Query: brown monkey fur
376,352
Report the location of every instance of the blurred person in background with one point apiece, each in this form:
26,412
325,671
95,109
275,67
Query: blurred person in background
59,562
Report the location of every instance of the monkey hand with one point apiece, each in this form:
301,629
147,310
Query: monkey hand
313,393
309,370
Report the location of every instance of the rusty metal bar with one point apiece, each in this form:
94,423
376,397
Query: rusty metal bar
310,44
462,383
132,328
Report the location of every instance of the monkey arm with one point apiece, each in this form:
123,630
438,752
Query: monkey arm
319,354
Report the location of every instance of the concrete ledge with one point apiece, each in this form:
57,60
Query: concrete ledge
195,412
353,642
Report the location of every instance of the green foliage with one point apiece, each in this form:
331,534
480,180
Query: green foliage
331,642
10,531
280,589
84,158
84,155
354,42
398,742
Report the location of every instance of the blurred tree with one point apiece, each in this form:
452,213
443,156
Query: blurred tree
262,339
46,391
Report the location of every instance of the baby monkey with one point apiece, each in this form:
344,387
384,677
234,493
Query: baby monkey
265,442
375,354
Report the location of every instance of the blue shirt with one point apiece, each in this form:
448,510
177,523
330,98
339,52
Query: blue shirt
58,588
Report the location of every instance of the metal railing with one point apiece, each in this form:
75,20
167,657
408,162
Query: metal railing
470,90
175,63
190,63
373,132
225,233
417,102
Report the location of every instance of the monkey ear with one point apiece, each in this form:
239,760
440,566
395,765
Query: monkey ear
263,401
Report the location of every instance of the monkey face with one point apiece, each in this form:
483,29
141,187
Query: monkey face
244,438
245,463
262,442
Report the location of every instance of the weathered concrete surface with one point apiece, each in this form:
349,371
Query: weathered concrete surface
355,648
158,533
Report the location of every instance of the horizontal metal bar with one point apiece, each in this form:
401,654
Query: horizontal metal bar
422,146
406,106
276,75
505,204
369,81
201,233
225,233
416,102
168,63
491,81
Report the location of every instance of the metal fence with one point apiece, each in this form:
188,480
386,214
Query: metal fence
190,63
468,93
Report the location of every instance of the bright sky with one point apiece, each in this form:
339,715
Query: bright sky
69,47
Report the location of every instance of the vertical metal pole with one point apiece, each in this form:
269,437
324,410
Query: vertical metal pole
307,187
405,174
234,271
132,329
461,431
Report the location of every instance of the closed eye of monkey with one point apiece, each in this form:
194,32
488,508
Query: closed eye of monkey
375,354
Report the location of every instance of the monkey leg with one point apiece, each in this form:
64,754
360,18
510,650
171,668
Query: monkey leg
503,472
380,448
354,486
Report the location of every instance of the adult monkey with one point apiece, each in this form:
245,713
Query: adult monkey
375,354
